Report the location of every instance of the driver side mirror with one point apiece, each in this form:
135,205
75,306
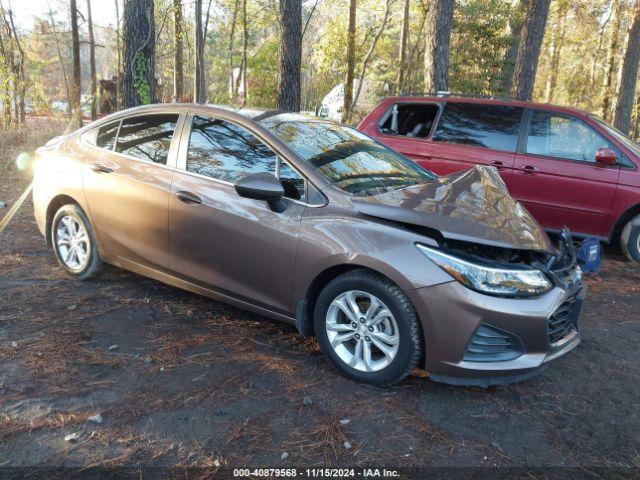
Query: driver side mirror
606,156
262,186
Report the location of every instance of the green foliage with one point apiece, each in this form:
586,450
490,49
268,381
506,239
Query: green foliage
140,82
479,44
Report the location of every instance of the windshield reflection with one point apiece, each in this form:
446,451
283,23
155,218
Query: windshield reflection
351,160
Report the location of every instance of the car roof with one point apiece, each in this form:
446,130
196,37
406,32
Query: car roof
261,116
485,101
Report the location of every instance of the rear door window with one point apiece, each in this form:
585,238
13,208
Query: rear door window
563,136
106,136
147,137
409,119
489,126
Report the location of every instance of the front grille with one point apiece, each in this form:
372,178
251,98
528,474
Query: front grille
564,320
490,344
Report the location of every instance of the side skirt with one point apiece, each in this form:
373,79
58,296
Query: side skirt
197,289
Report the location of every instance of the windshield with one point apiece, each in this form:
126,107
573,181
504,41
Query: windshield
621,137
349,159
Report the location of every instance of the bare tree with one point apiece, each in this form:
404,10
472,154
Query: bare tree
92,62
232,36
60,59
402,52
76,113
372,47
529,47
199,91
5,52
351,62
178,60
607,92
438,46
626,90
119,58
139,53
245,44
290,55
555,47
15,67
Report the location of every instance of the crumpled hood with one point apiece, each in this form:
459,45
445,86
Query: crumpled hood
472,206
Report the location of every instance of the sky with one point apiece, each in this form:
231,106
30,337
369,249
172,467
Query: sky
103,11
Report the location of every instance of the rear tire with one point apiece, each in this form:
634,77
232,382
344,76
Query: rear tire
630,239
368,328
74,244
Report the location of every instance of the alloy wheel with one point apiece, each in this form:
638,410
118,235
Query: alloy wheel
362,331
72,242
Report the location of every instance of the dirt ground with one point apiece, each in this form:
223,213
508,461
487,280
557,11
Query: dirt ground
196,382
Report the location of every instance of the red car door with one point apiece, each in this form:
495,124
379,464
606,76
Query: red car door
471,134
557,177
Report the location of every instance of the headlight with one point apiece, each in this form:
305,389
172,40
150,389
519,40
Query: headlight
494,281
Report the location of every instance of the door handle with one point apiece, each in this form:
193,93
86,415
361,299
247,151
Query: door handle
421,156
498,165
529,170
96,167
189,198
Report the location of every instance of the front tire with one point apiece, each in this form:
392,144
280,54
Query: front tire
630,239
74,243
368,328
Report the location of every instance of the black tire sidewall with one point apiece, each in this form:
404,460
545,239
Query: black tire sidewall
631,246
404,316
75,212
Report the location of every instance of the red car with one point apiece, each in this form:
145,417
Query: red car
566,166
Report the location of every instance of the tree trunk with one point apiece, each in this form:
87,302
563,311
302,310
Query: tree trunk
290,55
6,71
232,36
636,130
60,59
76,113
515,28
245,44
438,46
413,63
178,62
402,53
367,57
627,88
607,93
139,53
119,80
199,93
351,61
531,36
20,82
555,48
92,62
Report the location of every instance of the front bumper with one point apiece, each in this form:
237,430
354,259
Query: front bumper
453,315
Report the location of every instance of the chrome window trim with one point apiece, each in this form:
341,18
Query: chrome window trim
181,164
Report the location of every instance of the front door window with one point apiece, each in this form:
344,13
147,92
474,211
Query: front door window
560,136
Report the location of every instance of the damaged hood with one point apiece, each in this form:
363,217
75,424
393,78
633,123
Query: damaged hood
472,206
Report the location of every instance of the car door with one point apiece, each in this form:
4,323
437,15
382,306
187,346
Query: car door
127,180
219,240
469,134
557,177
